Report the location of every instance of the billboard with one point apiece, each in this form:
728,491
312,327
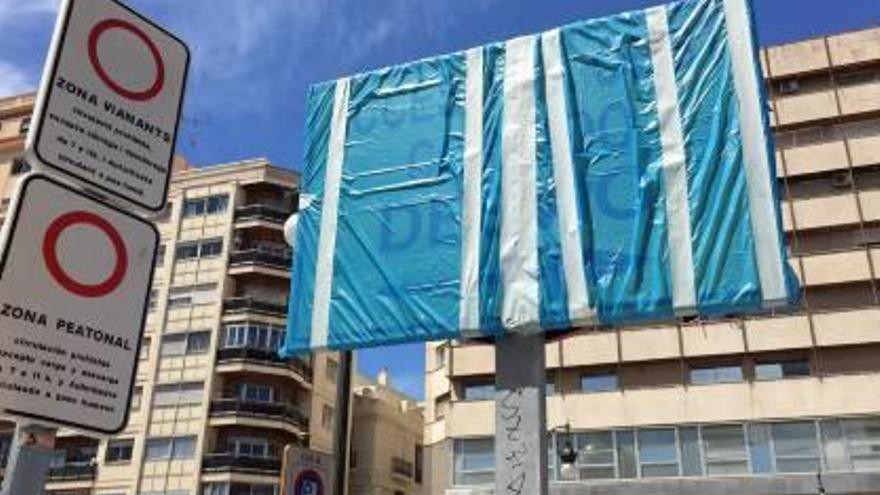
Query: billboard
614,171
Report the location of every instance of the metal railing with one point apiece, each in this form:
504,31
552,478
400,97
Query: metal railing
260,211
70,472
237,304
231,462
264,357
263,410
257,257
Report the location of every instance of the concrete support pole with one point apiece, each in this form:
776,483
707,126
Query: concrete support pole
29,458
520,416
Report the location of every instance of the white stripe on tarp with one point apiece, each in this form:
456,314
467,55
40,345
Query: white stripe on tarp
329,216
469,310
678,218
519,210
579,311
762,206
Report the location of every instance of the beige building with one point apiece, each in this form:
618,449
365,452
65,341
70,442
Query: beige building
386,443
743,407
213,406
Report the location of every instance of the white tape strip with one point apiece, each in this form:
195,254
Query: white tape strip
469,311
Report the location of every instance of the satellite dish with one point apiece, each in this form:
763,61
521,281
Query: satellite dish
290,230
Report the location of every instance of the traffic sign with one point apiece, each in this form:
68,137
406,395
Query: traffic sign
305,472
109,105
75,277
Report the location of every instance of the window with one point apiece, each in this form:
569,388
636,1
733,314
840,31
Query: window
474,462
25,125
249,447
136,397
226,488
440,356
550,386
181,344
160,255
419,458
200,206
725,450
199,249
327,417
332,370
194,294
658,453
479,390
178,394
257,393
595,459
119,450
716,374
254,336
689,445
599,382
146,344
795,447
154,300
782,369
170,448
863,438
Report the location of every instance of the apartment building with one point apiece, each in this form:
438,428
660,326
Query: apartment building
754,406
386,455
213,405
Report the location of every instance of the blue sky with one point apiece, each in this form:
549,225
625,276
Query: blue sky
254,59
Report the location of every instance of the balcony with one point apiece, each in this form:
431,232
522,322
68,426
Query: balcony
259,410
252,305
72,472
259,261
262,357
230,462
402,467
261,212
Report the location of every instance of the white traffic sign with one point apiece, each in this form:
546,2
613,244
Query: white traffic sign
75,278
306,472
109,105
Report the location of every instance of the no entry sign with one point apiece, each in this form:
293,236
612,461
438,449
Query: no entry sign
108,109
305,472
75,279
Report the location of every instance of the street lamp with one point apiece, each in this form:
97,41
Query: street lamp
567,456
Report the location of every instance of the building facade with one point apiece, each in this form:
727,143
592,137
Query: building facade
754,406
387,456
213,405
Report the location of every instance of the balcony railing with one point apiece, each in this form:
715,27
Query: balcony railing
261,410
402,467
257,257
72,472
252,305
263,357
232,462
266,212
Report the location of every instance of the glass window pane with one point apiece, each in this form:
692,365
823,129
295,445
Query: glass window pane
863,436
691,462
193,207
599,382
478,454
198,342
626,454
217,204
795,447
759,448
725,450
595,448
479,391
173,345
716,374
184,448
658,454
834,446
158,448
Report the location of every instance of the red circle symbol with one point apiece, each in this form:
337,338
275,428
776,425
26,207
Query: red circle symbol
131,94
50,244
308,482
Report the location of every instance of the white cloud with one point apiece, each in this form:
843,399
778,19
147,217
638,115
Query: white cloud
13,80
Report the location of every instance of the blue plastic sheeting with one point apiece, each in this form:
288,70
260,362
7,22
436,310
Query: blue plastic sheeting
611,172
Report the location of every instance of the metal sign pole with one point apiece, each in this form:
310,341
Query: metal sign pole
343,423
520,416
30,456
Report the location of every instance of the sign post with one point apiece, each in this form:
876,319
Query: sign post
521,464
75,272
